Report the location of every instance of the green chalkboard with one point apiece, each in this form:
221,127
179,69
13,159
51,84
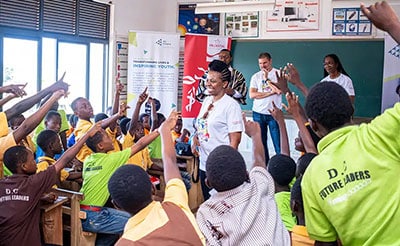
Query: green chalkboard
363,61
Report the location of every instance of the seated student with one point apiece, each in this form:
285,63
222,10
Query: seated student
243,210
98,168
179,135
73,119
303,162
135,132
52,121
25,128
15,122
153,223
50,143
20,193
299,233
282,169
111,131
83,109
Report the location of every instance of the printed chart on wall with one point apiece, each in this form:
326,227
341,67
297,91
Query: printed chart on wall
153,62
350,21
297,15
189,22
121,65
242,25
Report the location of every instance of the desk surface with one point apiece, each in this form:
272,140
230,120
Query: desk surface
60,201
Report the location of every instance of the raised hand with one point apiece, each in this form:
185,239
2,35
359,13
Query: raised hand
293,106
122,108
16,89
119,87
60,84
276,113
293,75
251,128
143,96
170,122
274,88
282,82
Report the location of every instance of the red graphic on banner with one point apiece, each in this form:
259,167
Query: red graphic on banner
197,51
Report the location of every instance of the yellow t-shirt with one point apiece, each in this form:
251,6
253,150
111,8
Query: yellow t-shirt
3,124
153,216
141,158
81,128
45,162
5,143
113,136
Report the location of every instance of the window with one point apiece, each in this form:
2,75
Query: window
40,39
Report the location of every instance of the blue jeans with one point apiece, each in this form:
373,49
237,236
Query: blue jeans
204,188
106,221
267,121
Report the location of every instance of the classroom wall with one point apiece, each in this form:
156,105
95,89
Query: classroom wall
362,60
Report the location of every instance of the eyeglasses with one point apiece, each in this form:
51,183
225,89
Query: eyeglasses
210,107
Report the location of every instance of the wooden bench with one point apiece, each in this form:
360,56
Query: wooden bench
78,237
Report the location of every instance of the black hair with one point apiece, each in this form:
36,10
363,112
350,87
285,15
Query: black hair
303,162
11,121
296,194
221,67
130,188
123,124
398,89
226,50
329,104
51,114
147,105
282,169
14,157
226,168
340,68
141,116
161,119
73,119
94,140
100,116
45,138
74,102
265,55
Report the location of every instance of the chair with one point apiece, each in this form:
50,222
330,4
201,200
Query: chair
78,236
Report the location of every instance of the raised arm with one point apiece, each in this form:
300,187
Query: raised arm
7,99
16,89
171,170
293,77
110,120
278,116
295,109
33,121
27,103
384,17
154,117
135,115
72,151
253,130
116,106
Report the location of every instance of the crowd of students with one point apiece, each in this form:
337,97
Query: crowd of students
336,194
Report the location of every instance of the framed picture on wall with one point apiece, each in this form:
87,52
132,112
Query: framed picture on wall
242,25
189,22
296,15
350,22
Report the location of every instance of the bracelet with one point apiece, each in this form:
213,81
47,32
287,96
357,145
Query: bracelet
307,123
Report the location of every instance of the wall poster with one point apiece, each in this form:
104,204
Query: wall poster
242,25
189,22
350,21
296,15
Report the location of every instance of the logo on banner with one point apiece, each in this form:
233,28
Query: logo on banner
192,92
395,51
214,46
163,42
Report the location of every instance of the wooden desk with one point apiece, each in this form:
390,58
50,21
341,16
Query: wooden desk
51,220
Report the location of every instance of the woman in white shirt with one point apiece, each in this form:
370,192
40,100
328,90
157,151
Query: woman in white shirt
334,71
